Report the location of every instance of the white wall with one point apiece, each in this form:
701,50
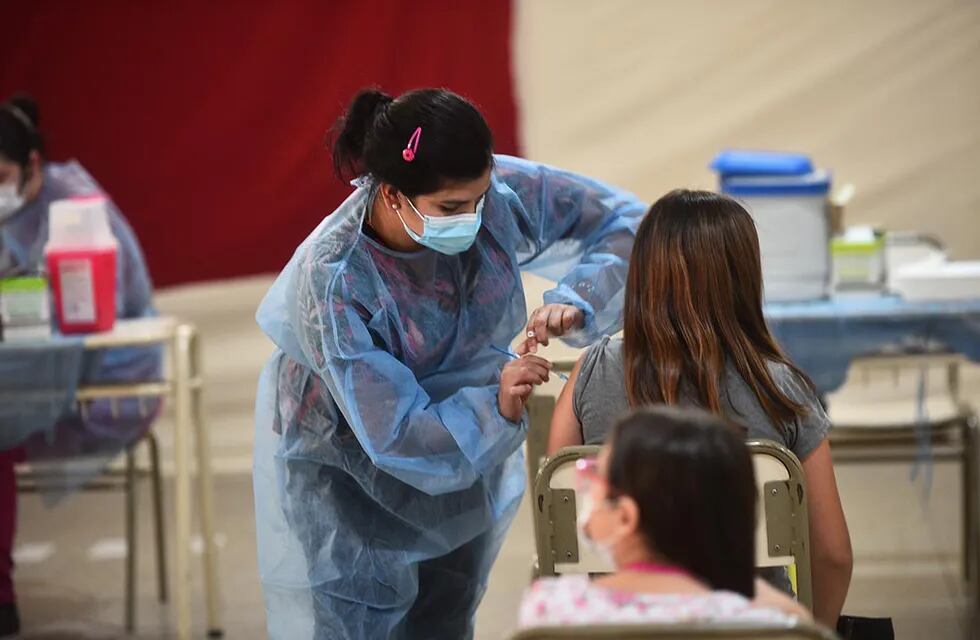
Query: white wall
884,92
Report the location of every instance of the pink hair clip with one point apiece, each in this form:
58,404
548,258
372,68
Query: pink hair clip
408,154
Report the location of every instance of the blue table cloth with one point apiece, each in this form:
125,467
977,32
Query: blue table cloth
38,408
38,381
823,337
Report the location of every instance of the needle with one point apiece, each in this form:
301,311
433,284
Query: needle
512,355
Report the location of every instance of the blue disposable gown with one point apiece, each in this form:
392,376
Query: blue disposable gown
45,420
385,476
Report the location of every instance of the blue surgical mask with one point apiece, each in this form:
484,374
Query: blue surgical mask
450,234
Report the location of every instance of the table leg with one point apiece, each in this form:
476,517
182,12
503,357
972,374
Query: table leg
205,497
182,484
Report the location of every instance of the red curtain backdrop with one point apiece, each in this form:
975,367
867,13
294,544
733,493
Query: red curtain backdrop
206,121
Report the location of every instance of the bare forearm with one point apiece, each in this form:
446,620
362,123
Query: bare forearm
831,556
831,579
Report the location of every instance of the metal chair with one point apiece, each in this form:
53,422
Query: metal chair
540,408
782,534
680,631
31,479
950,434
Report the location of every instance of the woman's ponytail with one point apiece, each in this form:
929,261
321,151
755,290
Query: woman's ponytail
351,131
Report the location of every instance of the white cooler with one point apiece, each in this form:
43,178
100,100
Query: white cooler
792,215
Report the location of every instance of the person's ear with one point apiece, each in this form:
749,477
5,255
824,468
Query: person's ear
34,161
390,195
628,515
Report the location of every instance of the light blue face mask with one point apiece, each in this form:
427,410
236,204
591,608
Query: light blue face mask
450,234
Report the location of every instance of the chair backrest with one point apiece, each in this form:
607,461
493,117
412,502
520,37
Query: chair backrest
782,534
680,631
559,546
540,408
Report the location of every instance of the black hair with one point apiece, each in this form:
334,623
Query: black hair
455,144
19,134
692,478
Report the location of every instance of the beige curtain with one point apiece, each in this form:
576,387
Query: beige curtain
643,93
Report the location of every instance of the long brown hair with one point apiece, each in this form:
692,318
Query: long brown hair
693,301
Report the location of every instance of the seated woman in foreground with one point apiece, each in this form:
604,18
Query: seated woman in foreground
695,335
671,501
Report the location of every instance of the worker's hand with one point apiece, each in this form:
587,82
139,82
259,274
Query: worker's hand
517,379
549,321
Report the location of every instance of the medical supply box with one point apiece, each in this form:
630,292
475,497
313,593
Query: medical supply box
858,258
25,309
788,199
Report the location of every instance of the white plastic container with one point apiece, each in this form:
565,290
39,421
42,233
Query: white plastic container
792,217
938,280
906,248
25,309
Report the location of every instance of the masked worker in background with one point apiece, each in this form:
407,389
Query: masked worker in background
388,461
35,425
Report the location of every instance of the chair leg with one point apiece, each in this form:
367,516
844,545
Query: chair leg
131,551
971,517
967,491
159,527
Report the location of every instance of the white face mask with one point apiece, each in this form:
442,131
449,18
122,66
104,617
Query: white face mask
602,548
10,200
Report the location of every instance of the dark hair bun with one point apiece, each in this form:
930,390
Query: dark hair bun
27,106
19,134
352,130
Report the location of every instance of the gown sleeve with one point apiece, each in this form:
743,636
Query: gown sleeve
578,232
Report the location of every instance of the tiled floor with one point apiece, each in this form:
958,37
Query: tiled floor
72,595
906,541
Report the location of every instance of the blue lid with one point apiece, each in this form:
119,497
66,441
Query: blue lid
735,162
815,183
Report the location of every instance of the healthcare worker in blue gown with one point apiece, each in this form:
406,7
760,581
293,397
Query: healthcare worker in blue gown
39,420
388,460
